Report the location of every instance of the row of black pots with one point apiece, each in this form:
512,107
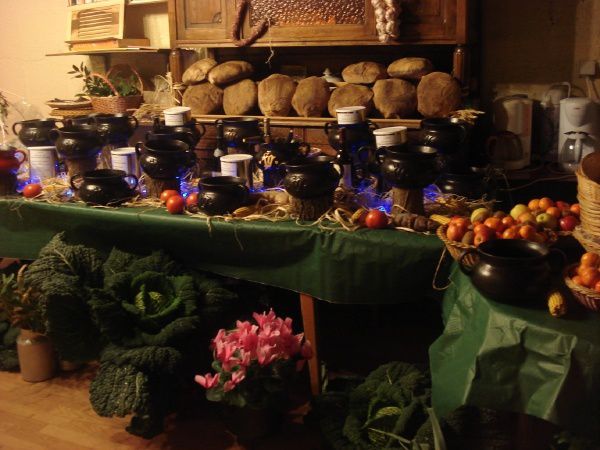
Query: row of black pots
112,128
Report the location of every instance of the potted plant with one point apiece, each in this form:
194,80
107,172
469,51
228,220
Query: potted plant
22,308
254,365
110,93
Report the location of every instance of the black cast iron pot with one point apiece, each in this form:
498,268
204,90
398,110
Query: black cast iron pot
221,195
357,135
238,129
35,133
117,128
104,186
512,270
312,177
191,132
165,159
468,184
77,141
407,166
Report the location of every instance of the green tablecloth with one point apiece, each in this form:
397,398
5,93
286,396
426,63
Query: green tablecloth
367,266
517,359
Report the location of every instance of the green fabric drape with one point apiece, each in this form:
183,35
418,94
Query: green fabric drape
518,359
366,266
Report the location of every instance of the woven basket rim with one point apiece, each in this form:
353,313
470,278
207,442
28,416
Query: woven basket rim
575,287
441,233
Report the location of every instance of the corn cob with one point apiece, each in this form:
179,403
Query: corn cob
557,305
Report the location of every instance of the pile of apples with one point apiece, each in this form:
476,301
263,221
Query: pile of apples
529,222
556,216
587,273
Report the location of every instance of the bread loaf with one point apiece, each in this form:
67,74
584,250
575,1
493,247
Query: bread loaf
311,97
229,72
394,98
410,68
275,95
438,94
240,98
364,73
350,95
204,98
198,71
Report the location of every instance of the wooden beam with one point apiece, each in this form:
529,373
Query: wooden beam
307,306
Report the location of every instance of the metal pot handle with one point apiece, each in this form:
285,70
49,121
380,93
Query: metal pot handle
380,155
202,128
14,128
21,152
326,127
138,150
73,178
135,181
133,121
464,268
372,125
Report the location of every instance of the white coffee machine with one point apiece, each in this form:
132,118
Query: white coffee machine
578,131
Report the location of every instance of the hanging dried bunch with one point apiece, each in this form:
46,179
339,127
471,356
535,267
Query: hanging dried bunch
386,18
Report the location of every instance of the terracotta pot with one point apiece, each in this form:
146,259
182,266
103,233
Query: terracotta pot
36,356
104,186
249,424
221,195
35,133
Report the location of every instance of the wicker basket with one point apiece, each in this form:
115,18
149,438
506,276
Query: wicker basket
587,240
456,249
587,297
116,104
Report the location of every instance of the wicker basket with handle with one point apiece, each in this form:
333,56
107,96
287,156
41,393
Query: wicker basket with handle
587,297
116,104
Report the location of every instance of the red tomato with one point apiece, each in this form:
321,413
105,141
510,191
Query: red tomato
175,204
165,195
191,202
32,190
376,219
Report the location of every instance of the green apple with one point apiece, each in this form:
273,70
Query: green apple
547,221
480,214
518,210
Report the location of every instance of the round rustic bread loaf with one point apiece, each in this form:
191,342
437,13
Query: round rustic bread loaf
438,94
275,95
394,98
350,95
198,71
204,98
240,98
410,68
229,72
364,73
311,97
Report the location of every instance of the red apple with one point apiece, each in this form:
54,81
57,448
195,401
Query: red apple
568,223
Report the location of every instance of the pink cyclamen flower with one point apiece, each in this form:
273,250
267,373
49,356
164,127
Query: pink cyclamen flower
207,381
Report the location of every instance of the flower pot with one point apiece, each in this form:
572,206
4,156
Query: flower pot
249,424
36,356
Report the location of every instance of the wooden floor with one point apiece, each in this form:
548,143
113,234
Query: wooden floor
57,415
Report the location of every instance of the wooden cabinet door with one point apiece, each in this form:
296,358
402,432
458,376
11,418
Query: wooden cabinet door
430,20
313,22
203,21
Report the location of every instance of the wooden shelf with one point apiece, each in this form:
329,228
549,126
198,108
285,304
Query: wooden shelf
317,122
112,50
144,2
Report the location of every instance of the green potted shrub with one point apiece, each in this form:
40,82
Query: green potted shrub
22,308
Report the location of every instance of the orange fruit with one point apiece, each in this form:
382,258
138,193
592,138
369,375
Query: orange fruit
597,287
590,259
589,276
546,203
554,211
527,232
510,233
577,280
508,221
534,204
493,222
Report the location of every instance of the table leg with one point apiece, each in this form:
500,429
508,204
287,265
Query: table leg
307,305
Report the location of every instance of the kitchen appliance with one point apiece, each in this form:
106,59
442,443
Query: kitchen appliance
551,118
512,116
578,131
